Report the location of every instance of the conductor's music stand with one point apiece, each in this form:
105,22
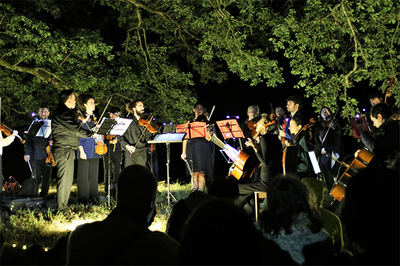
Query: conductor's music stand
116,127
168,138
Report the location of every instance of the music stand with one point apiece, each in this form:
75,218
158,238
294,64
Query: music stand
193,130
168,138
116,127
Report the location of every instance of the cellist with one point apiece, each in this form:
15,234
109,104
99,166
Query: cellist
269,153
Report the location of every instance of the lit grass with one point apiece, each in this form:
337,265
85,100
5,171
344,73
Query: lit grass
45,226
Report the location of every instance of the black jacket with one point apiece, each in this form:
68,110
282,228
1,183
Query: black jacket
384,143
66,128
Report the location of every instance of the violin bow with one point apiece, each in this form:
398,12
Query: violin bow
327,131
105,108
212,110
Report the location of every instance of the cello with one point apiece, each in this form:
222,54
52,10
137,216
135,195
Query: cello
362,159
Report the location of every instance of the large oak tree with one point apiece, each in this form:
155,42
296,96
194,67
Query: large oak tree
161,50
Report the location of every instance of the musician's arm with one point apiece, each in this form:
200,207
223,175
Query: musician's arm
368,140
184,144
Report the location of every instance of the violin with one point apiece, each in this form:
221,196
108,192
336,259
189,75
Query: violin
263,122
252,126
147,124
8,132
101,147
50,159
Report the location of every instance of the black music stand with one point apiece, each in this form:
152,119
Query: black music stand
168,138
116,127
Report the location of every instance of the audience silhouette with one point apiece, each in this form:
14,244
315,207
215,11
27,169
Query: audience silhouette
123,237
292,223
370,216
220,232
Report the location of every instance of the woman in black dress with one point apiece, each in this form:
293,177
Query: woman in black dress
199,153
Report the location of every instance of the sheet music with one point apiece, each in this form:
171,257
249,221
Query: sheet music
168,138
45,129
119,128
314,162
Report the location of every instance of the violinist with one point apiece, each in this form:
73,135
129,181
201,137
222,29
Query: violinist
66,137
35,151
328,140
3,143
199,153
113,158
249,125
134,144
88,159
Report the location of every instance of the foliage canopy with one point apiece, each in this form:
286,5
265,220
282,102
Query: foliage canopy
161,50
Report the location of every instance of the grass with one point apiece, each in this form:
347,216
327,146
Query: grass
25,227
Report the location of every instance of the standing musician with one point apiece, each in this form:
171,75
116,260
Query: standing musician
134,140
384,142
113,158
87,153
36,151
269,153
199,153
66,138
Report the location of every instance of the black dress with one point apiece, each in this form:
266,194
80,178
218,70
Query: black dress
200,154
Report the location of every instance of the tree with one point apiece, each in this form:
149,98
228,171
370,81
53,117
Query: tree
161,50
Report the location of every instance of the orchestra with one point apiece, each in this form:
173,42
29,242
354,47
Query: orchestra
297,134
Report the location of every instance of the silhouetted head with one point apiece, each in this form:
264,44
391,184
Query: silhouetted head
136,191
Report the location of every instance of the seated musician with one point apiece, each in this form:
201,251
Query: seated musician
384,142
269,153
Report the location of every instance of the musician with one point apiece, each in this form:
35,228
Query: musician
88,160
3,143
328,140
269,153
384,143
66,137
134,140
299,142
113,158
249,125
199,153
375,98
293,106
36,154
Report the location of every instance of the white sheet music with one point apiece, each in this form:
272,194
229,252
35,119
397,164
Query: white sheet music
45,129
314,162
121,126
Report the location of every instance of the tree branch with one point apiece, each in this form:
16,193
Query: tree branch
41,73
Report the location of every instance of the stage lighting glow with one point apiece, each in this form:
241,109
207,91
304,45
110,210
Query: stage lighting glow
33,114
170,123
164,124
228,116
358,116
364,110
237,117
